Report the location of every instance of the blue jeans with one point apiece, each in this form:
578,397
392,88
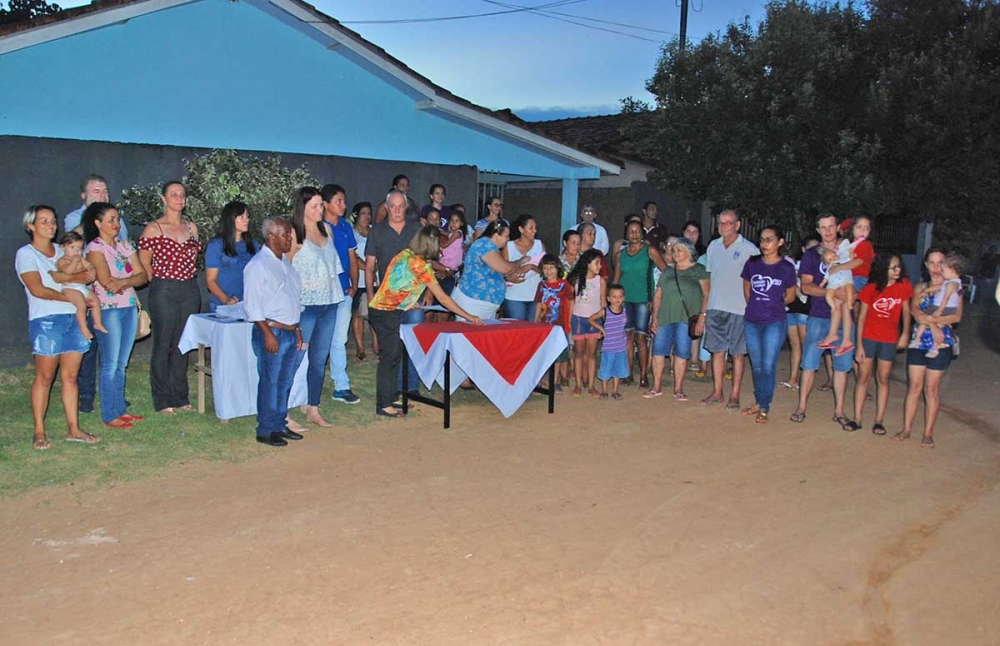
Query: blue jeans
520,310
409,317
116,348
816,329
338,346
275,373
317,323
764,341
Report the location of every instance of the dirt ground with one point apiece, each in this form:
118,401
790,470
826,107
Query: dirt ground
665,523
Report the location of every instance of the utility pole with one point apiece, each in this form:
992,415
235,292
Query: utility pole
684,23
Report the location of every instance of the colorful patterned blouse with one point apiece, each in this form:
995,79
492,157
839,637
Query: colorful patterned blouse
406,279
479,280
120,266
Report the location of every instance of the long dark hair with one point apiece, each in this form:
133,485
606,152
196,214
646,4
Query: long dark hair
521,221
299,201
578,275
461,217
227,228
880,269
90,216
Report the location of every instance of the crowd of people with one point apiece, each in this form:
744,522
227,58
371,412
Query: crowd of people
633,309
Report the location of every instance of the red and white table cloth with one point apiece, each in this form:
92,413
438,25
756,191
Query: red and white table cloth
505,359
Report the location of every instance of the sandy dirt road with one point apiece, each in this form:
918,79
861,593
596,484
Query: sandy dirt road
671,524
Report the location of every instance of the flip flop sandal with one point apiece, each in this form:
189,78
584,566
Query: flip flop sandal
750,410
649,394
617,397
761,417
681,397
825,346
731,406
851,426
927,442
41,443
901,436
842,350
842,420
603,396
86,438
878,429
797,417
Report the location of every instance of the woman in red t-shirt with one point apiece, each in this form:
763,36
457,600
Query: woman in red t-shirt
884,301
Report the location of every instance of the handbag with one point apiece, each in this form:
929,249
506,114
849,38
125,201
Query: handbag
363,308
692,320
144,327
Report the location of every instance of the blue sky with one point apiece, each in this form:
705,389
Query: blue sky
540,67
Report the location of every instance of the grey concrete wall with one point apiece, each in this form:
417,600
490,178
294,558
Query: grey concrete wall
34,170
612,205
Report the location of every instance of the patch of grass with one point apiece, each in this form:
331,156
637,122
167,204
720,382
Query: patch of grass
156,443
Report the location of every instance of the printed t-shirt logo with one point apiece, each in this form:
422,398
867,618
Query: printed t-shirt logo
761,285
883,306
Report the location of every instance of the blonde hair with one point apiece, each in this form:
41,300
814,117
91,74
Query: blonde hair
427,242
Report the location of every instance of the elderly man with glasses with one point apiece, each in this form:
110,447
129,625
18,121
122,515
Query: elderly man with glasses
726,306
587,216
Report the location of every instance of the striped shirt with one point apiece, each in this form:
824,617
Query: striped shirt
614,331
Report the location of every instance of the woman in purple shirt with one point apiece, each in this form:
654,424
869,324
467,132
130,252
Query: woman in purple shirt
768,285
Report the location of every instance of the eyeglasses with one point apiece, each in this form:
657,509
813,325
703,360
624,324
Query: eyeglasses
588,211
768,240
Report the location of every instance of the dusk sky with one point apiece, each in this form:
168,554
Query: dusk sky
540,66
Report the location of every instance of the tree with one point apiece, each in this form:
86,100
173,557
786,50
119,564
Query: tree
824,108
24,10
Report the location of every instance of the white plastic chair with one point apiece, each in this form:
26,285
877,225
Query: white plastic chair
969,287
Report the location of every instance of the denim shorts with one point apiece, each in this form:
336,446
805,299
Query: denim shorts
796,320
859,282
672,339
613,364
637,318
880,350
56,334
582,328
816,329
918,357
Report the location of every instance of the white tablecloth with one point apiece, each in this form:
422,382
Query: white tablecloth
234,365
466,361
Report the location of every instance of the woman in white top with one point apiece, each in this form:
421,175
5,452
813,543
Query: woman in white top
318,263
519,301
361,218
56,339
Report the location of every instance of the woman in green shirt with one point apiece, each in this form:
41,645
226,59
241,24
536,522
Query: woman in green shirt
634,263
682,292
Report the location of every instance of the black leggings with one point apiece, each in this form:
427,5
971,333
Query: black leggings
171,302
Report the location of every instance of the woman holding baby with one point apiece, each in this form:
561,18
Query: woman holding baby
56,340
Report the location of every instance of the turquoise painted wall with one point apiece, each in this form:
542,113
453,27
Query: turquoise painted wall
223,74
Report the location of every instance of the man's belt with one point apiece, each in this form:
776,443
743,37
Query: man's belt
282,326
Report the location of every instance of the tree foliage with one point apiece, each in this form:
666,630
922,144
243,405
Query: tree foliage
892,108
24,10
218,177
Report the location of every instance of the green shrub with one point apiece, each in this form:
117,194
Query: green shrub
218,177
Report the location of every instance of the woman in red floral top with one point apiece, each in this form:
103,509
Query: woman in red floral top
167,250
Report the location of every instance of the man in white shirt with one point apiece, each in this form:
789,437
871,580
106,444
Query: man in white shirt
587,216
93,188
726,306
271,287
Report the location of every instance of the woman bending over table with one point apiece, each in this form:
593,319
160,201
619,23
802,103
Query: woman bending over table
406,278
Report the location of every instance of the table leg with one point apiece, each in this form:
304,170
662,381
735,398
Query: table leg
406,380
200,369
447,390
552,388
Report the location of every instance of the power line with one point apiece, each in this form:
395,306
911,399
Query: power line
401,21
606,22
545,14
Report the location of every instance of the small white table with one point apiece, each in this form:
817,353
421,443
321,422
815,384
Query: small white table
234,365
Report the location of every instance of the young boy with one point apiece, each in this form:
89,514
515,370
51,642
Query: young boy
555,302
614,360
71,262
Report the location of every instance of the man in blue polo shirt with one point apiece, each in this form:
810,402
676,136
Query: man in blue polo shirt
812,271
334,206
